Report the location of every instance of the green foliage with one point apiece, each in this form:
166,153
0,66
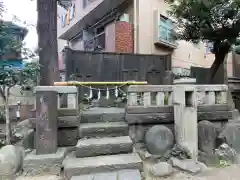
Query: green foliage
9,41
215,21
10,76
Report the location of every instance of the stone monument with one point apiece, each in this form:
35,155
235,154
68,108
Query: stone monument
185,115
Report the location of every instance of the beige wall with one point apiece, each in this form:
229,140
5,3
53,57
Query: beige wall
186,54
143,14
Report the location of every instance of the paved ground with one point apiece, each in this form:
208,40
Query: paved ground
227,173
40,178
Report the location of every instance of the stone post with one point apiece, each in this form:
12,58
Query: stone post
185,115
46,120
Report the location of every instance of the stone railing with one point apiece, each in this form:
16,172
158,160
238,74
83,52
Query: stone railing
174,109
71,91
149,103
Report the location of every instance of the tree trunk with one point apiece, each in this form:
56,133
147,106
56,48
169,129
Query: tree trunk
47,41
8,123
219,59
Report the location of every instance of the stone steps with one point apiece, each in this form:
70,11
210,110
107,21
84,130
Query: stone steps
100,115
110,129
103,146
128,174
99,164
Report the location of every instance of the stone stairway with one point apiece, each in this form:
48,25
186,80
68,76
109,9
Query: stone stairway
104,146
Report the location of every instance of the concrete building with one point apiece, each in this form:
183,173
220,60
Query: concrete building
131,26
12,58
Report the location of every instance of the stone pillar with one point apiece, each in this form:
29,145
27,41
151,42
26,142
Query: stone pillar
185,115
46,120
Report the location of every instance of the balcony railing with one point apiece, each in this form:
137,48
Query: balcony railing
167,37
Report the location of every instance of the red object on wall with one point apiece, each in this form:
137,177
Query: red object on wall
124,37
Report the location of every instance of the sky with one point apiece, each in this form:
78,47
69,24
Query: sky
25,10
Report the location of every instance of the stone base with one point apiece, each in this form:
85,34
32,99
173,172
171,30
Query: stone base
45,164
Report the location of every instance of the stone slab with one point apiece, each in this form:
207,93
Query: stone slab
46,122
169,109
103,146
103,115
149,118
109,129
64,121
68,112
207,136
59,89
50,164
155,118
79,166
62,112
131,174
67,137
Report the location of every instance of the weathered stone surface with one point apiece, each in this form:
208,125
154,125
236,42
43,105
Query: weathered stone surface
231,135
11,159
74,167
67,112
46,122
28,140
168,117
44,164
224,152
103,146
207,136
159,139
137,133
94,115
110,129
188,165
63,122
68,121
67,137
130,174
149,118
208,159
161,169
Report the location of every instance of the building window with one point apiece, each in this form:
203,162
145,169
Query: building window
166,30
87,2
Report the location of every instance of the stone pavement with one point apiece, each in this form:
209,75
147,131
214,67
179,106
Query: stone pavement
227,173
41,178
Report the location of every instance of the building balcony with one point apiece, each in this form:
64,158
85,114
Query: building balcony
89,14
164,35
165,38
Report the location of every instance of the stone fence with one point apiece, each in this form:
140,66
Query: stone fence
178,108
154,103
